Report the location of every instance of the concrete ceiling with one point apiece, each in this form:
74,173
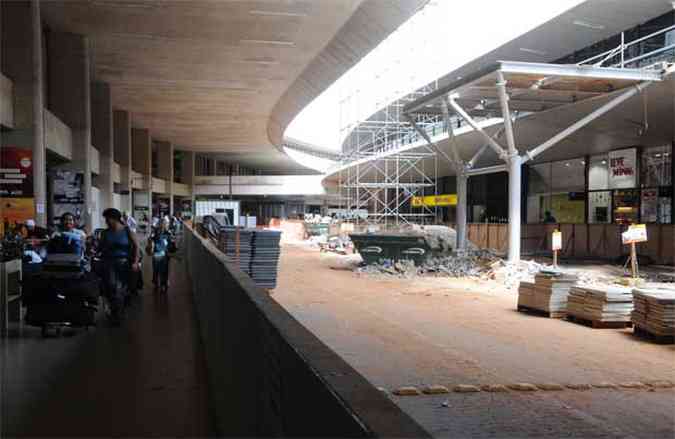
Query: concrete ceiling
224,75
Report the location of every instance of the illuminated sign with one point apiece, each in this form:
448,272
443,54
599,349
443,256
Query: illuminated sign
435,200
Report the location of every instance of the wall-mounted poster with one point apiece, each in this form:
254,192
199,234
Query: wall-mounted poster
622,168
16,186
67,192
16,172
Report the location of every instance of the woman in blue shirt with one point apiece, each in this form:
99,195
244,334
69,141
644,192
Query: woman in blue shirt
160,244
121,259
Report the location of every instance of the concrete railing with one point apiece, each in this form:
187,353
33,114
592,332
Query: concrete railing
268,375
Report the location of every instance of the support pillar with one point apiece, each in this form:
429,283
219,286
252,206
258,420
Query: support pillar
70,101
515,172
102,138
462,183
165,168
122,155
141,162
22,62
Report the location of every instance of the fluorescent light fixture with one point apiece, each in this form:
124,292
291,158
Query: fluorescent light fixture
277,13
263,62
589,25
535,51
269,42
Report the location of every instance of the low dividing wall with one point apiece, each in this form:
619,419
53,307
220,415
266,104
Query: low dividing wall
593,241
269,376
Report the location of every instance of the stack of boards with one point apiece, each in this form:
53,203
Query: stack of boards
548,293
258,253
654,311
265,258
229,246
610,304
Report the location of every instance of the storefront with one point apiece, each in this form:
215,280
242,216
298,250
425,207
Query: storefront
624,186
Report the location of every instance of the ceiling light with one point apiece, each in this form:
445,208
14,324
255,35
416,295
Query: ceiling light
263,62
589,25
604,162
535,51
269,42
277,13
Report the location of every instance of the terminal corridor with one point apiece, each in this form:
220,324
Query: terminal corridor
145,379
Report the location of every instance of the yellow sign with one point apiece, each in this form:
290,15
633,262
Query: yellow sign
435,200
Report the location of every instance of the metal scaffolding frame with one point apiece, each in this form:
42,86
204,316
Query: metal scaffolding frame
379,188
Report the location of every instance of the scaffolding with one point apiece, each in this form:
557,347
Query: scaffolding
379,186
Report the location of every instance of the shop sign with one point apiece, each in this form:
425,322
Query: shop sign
556,241
16,172
435,200
636,233
622,168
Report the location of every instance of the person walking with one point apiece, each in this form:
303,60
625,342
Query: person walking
160,244
130,221
121,259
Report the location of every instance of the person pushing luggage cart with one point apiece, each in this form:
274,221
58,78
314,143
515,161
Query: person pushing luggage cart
121,257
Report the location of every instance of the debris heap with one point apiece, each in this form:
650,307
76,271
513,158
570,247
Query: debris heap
548,293
600,304
654,311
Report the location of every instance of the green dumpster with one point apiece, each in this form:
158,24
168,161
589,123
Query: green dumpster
374,247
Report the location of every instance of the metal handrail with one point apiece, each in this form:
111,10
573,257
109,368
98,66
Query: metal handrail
620,49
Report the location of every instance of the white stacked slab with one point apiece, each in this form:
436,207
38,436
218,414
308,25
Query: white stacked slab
600,303
548,293
654,310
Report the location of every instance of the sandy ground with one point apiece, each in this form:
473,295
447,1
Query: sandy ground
400,332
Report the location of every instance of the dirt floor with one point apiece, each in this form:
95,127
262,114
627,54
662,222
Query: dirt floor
439,331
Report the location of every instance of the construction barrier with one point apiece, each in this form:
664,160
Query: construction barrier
269,376
581,241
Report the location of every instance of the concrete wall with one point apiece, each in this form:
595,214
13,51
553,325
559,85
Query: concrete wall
260,185
271,377
58,137
6,102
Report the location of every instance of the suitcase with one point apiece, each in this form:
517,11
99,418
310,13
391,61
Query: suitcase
61,300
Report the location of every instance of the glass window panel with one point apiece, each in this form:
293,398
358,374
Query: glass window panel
600,207
656,166
539,178
568,176
649,207
568,209
626,204
598,173
537,206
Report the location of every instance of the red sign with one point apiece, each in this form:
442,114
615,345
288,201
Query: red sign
16,172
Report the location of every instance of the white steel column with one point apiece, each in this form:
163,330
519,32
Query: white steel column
462,183
515,171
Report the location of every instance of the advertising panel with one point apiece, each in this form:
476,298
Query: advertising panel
16,172
623,168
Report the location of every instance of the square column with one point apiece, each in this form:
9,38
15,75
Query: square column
141,162
165,167
70,101
22,62
122,155
102,138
